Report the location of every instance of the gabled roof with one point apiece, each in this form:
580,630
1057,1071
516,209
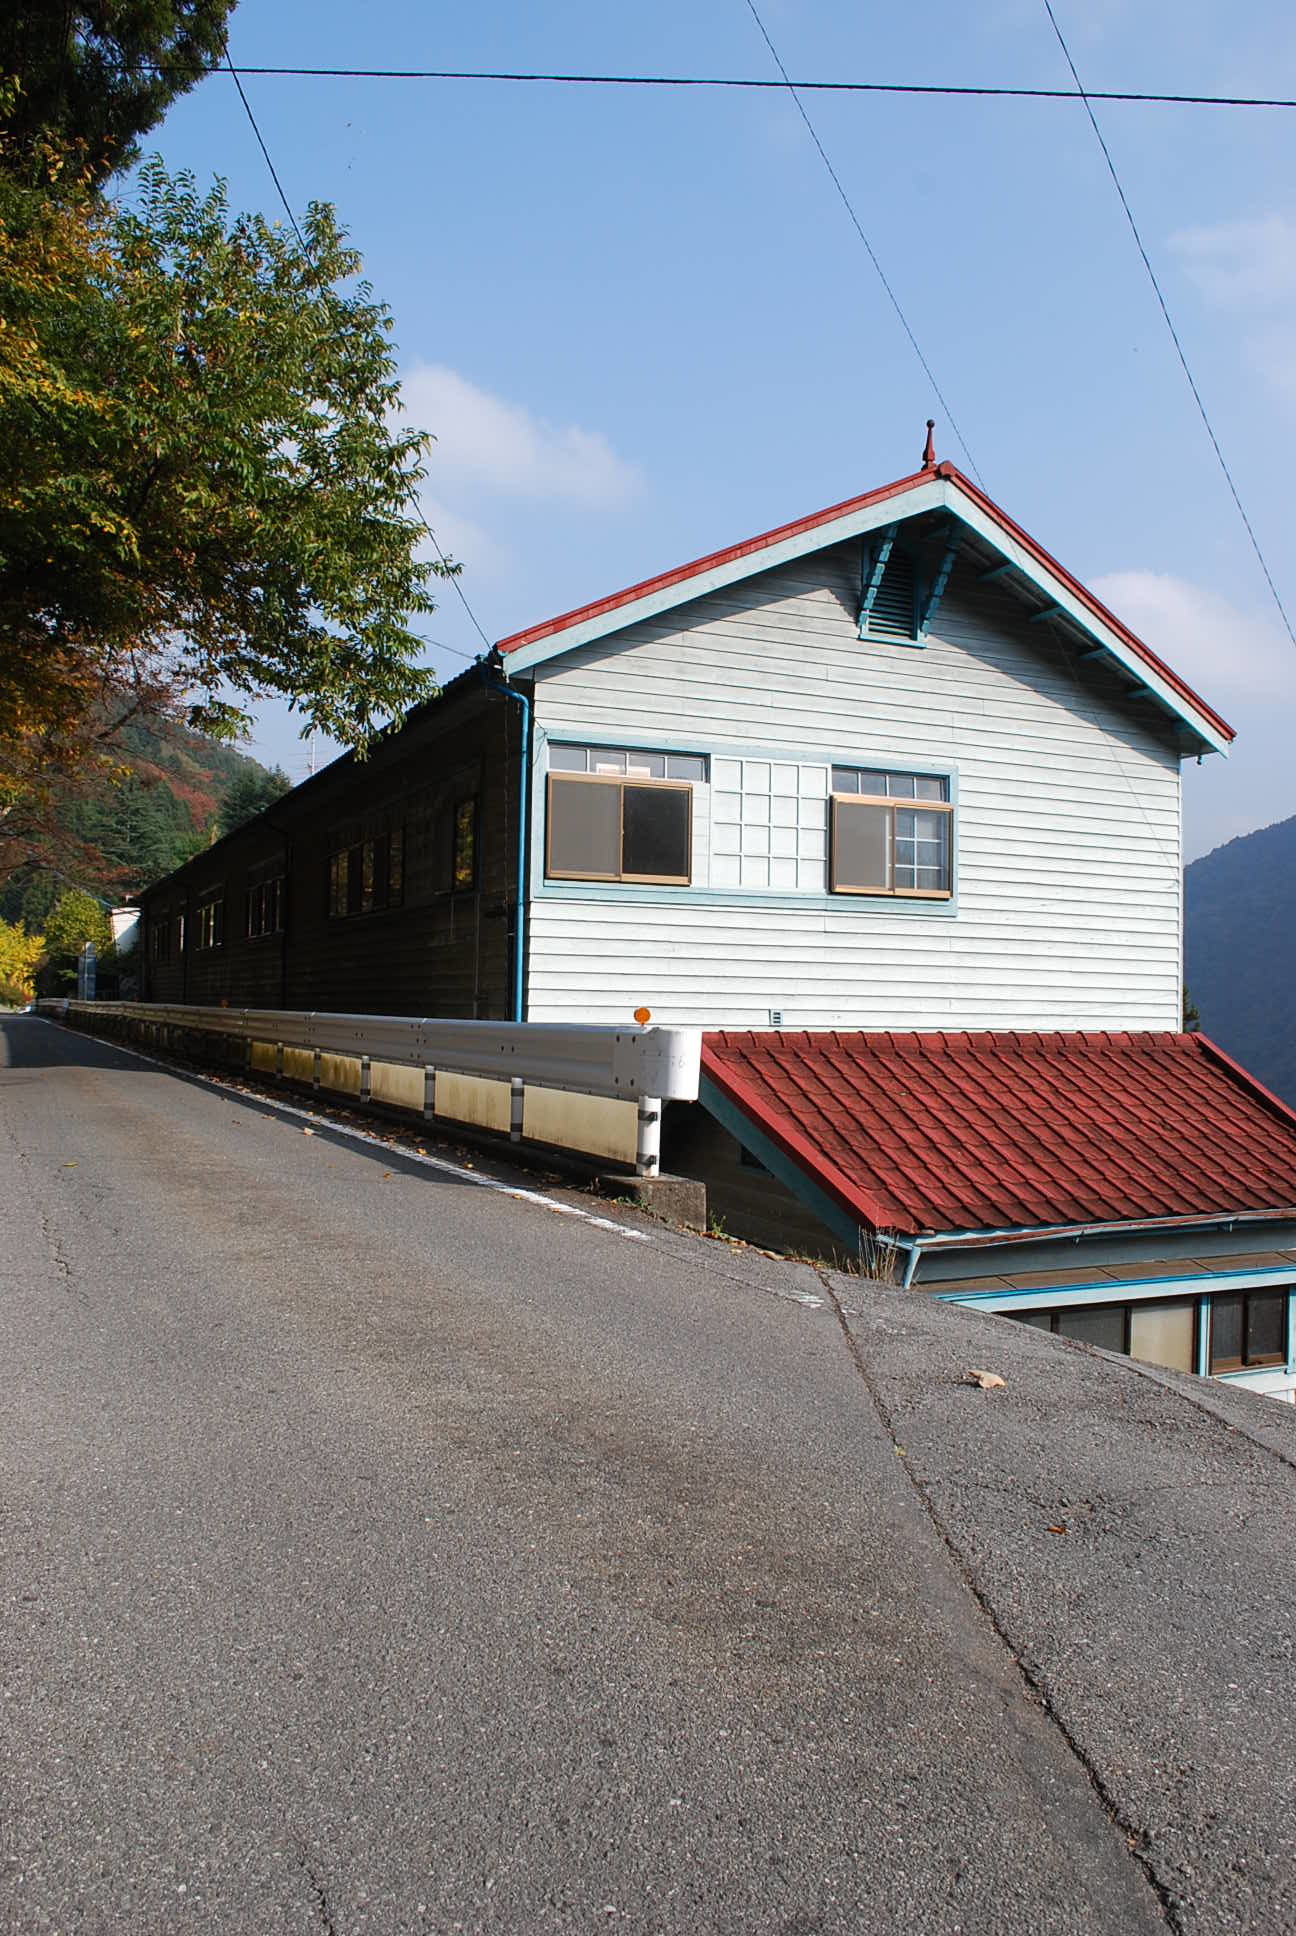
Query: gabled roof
935,488
915,1134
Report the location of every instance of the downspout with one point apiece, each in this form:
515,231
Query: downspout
524,777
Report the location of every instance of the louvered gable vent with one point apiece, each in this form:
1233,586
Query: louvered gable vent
894,614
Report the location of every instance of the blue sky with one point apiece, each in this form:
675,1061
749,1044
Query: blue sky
642,327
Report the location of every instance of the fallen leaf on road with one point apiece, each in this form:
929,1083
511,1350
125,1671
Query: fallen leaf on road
1057,1529
308,1132
987,1380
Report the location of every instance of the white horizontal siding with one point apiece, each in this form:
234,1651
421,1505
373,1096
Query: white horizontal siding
1068,847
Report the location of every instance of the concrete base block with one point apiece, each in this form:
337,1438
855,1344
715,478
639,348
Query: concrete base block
679,1199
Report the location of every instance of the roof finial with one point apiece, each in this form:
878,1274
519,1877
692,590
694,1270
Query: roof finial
929,448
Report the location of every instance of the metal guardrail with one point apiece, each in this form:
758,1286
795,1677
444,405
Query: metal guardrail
647,1066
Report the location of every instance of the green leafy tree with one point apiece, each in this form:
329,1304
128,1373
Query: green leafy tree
251,793
75,918
204,499
98,75
20,953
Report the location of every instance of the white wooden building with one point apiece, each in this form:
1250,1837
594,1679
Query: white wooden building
890,766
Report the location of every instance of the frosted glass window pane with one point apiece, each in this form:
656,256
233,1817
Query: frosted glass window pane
726,806
756,808
814,813
756,776
810,843
783,873
783,780
724,870
686,766
755,873
726,773
755,840
814,781
811,876
646,766
1100,1324
783,812
783,840
601,761
584,828
861,847
1162,1334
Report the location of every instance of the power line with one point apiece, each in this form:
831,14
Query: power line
990,91
451,571
868,246
1169,322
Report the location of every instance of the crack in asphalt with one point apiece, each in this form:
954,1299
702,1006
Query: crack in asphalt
1136,1839
317,1889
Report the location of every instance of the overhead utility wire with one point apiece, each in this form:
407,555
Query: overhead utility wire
868,246
412,500
1169,322
969,92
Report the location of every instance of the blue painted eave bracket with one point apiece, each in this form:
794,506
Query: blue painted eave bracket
931,605
873,563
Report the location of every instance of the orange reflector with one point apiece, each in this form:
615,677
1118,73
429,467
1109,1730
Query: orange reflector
643,1015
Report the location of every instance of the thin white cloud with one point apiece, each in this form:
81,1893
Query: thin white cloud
1224,653
484,439
1244,264
462,539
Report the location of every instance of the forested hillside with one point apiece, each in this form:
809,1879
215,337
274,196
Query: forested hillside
1240,951
111,833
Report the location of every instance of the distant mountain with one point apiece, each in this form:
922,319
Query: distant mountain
113,834
1240,951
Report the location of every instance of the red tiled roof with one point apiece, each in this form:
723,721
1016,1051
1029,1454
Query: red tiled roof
751,547
920,1133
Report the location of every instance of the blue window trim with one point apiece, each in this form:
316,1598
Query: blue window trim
697,895
1200,1284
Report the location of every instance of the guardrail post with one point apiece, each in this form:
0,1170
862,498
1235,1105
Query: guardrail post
648,1141
517,1097
429,1094
366,1077
278,1061
315,1070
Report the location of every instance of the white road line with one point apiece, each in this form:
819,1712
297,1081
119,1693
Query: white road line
464,1175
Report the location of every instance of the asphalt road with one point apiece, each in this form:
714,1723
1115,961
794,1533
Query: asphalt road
381,1552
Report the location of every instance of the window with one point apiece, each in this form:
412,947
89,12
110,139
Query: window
463,869
264,907
890,833
209,923
160,938
1156,1331
368,875
1248,1329
621,814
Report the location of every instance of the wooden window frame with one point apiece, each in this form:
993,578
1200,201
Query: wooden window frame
1271,1361
889,801
468,886
352,863
264,898
620,781
209,924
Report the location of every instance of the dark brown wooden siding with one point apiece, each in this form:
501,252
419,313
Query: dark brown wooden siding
443,950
